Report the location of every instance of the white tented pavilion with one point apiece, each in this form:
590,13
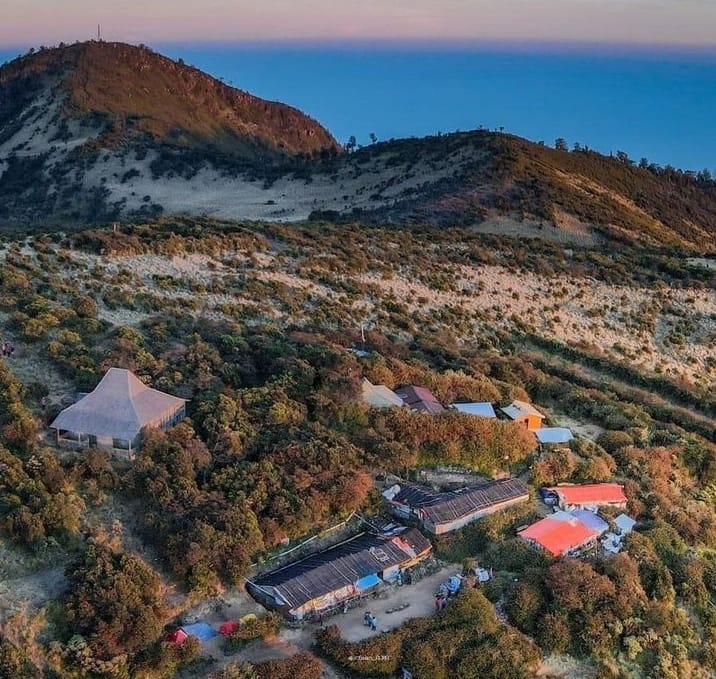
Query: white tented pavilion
112,416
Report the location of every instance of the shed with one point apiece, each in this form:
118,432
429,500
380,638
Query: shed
524,413
625,524
379,396
420,399
112,416
479,409
550,435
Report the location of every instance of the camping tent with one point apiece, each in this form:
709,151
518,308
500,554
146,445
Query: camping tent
228,628
178,636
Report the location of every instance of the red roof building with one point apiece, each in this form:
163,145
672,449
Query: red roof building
559,537
589,496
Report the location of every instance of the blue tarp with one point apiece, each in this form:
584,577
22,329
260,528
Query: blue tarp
203,631
453,584
367,582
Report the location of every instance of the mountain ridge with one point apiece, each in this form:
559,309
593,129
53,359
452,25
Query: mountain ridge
98,132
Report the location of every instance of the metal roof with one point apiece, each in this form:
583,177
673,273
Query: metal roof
590,494
118,407
419,399
456,504
480,409
343,565
553,435
521,409
379,396
557,535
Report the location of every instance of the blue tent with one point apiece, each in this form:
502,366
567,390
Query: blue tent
367,582
203,631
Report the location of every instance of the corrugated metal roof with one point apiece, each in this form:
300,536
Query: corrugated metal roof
419,399
343,565
455,504
520,409
480,409
119,406
553,435
558,536
590,494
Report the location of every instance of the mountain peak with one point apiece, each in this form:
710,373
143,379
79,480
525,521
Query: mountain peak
138,94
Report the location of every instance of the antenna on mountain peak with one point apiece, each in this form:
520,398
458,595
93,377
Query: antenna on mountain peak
99,33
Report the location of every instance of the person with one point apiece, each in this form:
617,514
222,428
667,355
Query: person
367,618
400,578
443,603
345,606
438,602
373,623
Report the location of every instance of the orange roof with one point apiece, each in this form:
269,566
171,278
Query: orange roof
593,493
558,537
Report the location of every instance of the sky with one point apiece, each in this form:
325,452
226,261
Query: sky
634,22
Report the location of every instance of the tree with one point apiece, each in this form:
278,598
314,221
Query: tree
114,601
351,144
373,138
561,144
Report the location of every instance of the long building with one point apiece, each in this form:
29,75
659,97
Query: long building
343,572
443,512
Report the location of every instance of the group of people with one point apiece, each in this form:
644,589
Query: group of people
369,620
7,348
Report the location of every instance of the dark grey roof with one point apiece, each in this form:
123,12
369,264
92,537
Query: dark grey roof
119,406
455,504
420,399
343,565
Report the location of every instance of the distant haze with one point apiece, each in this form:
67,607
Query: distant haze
681,22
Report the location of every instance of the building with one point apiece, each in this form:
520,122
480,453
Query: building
379,396
443,512
113,415
479,409
590,496
524,413
614,541
340,573
564,533
419,399
553,435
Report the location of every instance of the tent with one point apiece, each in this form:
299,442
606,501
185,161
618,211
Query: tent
203,631
228,628
178,636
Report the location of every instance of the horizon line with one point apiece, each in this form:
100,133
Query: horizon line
426,44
